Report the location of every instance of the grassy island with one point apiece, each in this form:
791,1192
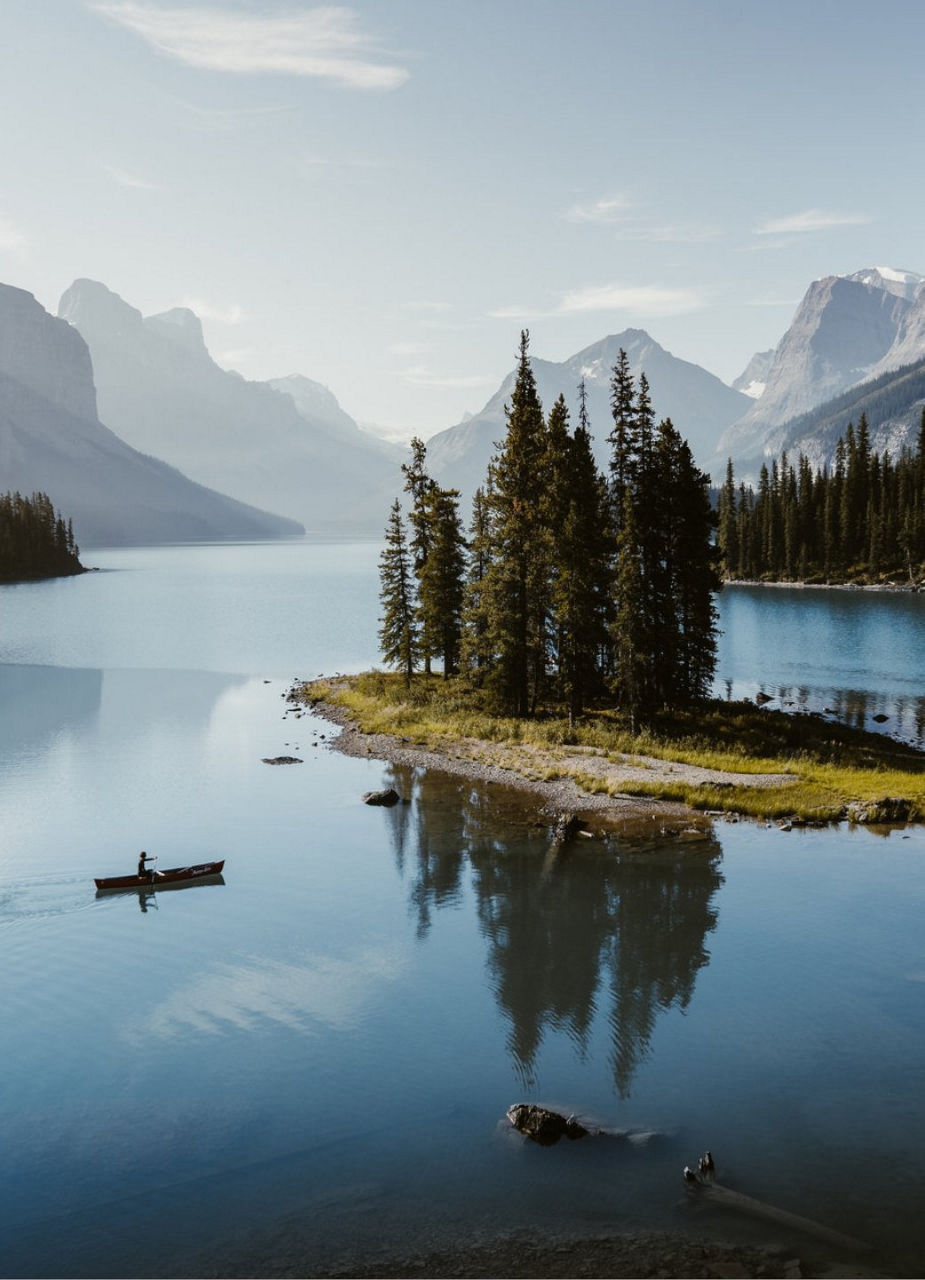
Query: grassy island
730,757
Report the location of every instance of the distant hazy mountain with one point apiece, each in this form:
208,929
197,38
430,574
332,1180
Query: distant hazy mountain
319,407
51,439
286,446
846,330
699,404
754,378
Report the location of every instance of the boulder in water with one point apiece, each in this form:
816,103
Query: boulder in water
545,1127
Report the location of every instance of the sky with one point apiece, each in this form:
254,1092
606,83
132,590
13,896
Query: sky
382,195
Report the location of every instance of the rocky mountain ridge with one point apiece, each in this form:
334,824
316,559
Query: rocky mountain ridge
698,402
848,330
51,439
286,446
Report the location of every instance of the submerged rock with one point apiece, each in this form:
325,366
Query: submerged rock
566,826
545,1127
387,797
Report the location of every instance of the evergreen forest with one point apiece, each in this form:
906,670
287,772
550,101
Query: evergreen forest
570,589
862,520
35,540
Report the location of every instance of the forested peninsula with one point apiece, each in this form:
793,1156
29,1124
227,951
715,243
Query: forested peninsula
567,643
35,540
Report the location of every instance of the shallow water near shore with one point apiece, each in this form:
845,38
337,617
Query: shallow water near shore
310,1063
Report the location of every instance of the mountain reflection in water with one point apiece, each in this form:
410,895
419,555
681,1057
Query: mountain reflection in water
616,926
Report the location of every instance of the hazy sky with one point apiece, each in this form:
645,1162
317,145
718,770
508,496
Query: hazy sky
380,195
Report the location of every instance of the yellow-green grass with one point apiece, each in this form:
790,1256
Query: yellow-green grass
830,766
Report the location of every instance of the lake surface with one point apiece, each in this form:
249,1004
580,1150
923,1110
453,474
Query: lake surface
311,1061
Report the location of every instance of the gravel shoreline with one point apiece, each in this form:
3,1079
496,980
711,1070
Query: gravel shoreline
667,1255
559,795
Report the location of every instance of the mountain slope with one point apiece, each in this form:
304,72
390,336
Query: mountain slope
699,404
52,440
847,331
842,329
159,388
892,403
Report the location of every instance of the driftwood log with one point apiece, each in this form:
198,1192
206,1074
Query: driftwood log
714,1195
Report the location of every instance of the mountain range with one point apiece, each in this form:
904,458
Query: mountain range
235,450
698,402
51,439
286,446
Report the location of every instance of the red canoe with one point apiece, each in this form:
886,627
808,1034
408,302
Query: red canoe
155,878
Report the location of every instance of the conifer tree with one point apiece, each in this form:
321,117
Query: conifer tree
581,558
623,438
633,643
420,488
441,578
476,647
516,585
398,631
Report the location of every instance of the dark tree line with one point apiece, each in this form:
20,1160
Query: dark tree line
572,587
35,540
863,518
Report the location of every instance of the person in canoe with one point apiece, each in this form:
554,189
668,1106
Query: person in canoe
142,869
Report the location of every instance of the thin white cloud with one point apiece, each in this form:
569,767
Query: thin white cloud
326,42
642,300
12,240
232,314
607,209
131,180
811,220
631,223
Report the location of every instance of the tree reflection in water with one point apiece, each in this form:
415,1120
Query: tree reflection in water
619,927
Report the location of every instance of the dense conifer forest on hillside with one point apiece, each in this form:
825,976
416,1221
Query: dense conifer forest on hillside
35,540
572,588
863,520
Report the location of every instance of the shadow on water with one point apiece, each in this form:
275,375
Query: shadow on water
610,925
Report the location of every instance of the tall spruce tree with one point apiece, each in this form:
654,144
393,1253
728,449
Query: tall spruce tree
516,584
398,630
420,488
664,628
581,559
441,579
476,645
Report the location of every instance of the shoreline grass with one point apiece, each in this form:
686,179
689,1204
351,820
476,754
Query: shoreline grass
831,770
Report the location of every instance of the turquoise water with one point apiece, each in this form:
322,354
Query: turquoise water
311,1062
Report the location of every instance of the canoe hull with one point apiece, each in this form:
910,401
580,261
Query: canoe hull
153,880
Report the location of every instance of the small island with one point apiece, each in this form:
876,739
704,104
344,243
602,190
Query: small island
721,758
35,540
575,634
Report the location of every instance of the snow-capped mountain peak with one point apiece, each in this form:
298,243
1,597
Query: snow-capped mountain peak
890,279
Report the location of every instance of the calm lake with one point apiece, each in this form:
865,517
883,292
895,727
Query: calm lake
310,1063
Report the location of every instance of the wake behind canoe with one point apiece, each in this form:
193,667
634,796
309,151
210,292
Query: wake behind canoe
153,879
